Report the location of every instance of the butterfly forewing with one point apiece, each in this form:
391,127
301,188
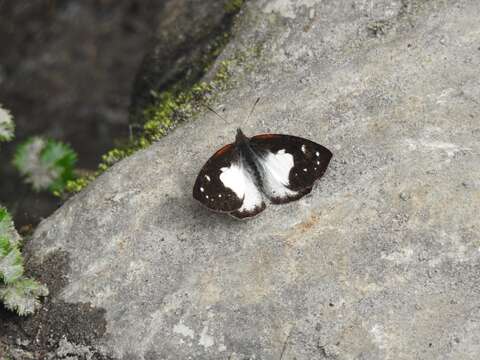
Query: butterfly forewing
210,190
289,165
225,184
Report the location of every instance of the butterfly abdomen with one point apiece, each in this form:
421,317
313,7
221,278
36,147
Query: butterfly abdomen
247,157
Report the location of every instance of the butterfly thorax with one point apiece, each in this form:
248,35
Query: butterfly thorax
241,138
248,156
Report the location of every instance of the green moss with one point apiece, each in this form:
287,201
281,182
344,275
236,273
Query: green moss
173,107
74,186
215,48
233,6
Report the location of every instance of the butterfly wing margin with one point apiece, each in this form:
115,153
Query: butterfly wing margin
290,164
225,185
210,190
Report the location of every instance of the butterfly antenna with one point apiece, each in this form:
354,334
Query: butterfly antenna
213,111
251,111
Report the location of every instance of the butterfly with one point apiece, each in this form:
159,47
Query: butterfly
240,176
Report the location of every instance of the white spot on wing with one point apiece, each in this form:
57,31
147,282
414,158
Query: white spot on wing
275,170
305,169
241,182
202,189
304,148
317,153
207,177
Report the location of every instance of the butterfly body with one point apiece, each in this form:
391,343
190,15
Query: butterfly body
239,176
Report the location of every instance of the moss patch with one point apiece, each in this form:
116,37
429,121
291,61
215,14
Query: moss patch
233,6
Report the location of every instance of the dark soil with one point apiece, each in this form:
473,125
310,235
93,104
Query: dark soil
40,334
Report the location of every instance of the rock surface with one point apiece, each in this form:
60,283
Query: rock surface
381,261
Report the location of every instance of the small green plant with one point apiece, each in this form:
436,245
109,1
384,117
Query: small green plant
233,6
45,164
7,126
17,292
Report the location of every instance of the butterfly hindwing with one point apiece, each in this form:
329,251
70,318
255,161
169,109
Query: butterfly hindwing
252,200
225,184
289,165
240,178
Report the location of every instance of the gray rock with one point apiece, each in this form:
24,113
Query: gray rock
351,271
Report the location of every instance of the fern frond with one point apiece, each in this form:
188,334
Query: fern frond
17,292
7,127
23,296
11,264
45,164
7,229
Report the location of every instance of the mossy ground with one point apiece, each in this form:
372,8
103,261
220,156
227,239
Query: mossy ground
233,6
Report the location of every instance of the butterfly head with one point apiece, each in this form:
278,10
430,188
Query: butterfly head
240,138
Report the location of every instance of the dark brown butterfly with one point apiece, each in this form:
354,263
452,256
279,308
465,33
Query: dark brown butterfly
239,176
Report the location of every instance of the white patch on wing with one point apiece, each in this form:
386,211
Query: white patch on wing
275,170
241,182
